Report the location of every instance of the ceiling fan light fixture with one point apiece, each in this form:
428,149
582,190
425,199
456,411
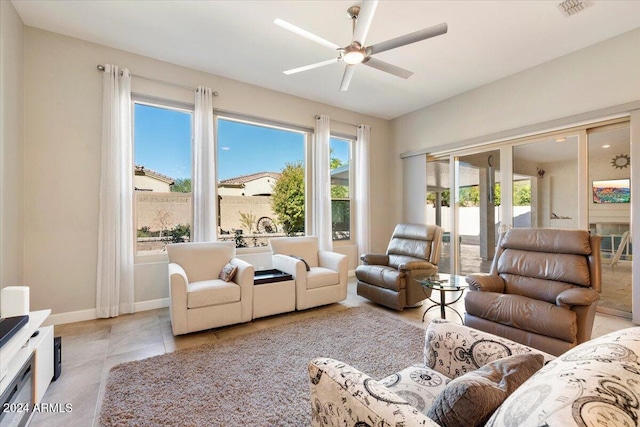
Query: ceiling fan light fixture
353,54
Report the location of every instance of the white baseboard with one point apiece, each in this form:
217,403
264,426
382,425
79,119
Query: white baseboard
152,304
82,315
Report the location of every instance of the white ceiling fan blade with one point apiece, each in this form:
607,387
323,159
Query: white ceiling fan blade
387,68
306,34
434,31
365,17
311,66
346,77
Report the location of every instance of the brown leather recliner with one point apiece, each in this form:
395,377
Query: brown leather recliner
388,279
542,290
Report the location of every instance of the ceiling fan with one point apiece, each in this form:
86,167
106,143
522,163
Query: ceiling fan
356,52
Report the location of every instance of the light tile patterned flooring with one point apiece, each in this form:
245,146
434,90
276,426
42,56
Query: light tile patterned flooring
90,349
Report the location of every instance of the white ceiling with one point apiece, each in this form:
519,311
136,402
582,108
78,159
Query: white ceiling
487,40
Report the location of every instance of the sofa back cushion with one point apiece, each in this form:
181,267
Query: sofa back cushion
414,242
201,261
305,247
541,263
454,349
596,381
549,240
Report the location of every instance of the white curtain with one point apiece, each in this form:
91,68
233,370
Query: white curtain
322,184
205,215
363,211
115,291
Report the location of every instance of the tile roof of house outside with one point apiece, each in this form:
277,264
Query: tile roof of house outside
143,171
238,180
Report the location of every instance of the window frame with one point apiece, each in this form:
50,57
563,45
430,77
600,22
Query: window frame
308,164
168,105
351,139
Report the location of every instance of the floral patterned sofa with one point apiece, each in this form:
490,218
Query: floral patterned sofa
595,383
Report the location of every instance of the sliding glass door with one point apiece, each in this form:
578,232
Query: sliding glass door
545,183
610,213
478,195
578,179
438,206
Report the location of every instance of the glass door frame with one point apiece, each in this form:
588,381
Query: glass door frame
506,170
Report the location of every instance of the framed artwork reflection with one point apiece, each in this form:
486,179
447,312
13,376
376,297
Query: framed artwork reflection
611,191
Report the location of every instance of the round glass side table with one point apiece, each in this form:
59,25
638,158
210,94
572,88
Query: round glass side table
444,283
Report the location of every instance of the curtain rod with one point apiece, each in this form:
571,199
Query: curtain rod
101,68
340,121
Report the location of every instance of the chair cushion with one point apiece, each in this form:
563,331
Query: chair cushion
548,240
212,292
413,240
305,247
595,383
544,290
319,277
567,268
201,260
472,398
418,385
381,276
453,349
524,313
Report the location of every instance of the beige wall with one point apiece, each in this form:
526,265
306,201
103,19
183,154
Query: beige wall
11,146
600,76
63,95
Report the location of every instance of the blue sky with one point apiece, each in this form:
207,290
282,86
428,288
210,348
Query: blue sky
162,141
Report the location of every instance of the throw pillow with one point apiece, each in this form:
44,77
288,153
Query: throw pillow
472,398
228,271
306,264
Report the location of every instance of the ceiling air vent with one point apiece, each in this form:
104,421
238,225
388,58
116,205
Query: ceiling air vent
571,7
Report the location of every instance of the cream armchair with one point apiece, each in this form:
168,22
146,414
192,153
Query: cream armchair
321,276
199,299
388,279
542,290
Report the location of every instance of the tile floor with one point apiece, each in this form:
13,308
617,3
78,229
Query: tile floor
90,349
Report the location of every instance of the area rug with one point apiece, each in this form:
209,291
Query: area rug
257,379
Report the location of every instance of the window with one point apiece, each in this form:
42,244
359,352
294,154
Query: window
261,182
340,188
162,177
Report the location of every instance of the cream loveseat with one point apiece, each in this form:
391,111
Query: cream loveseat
595,383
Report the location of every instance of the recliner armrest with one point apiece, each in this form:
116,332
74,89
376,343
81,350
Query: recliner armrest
576,296
375,259
417,265
485,282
